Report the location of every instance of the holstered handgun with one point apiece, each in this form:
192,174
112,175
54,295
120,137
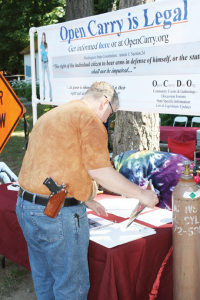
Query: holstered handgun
56,199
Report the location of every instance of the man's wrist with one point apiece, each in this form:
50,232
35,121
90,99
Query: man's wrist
142,195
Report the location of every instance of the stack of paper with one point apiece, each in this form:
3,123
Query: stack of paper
117,234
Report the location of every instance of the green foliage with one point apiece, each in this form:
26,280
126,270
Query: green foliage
168,120
24,89
102,6
19,87
28,91
17,17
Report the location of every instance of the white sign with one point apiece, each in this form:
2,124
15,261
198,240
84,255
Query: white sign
149,53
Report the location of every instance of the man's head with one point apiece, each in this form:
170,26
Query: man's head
102,98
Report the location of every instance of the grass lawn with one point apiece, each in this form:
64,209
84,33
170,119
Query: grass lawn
10,277
13,152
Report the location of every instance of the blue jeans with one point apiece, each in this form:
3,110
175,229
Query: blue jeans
58,250
45,68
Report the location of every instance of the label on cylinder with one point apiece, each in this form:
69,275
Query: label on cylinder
191,195
189,221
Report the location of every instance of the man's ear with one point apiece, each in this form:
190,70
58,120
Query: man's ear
103,102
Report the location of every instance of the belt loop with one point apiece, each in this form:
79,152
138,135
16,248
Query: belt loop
23,191
63,203
34,196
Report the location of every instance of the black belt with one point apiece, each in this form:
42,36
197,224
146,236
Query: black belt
43,200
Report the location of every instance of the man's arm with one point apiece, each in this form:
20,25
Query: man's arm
110,179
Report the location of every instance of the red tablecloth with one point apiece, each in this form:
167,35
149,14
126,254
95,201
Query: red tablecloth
138,270
181,134
12,243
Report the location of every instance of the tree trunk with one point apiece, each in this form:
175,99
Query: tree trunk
76,9
128,3
135,130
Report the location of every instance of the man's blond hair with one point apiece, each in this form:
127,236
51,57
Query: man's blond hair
99,89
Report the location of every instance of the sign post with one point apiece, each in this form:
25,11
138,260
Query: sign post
11,110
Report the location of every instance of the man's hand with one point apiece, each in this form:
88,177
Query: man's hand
97,208
149,198
113,181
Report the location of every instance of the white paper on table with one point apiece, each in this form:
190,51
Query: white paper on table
146,210
125,213
157,217
117,234
88,209
119,203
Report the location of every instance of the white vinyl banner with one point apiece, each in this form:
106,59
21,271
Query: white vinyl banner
149,53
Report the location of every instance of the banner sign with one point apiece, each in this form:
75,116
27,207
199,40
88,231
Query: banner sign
149,53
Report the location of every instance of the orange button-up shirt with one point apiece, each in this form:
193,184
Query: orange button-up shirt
64,143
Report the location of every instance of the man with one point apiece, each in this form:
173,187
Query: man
69,144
